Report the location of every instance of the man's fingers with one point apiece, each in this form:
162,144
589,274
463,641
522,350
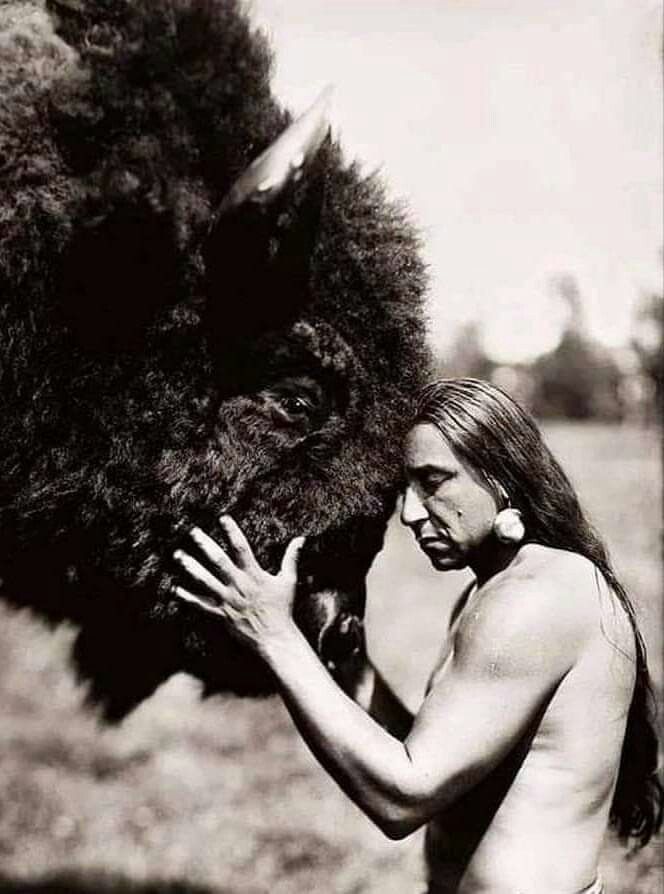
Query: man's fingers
213,552
201,602
227,609
291,556
242,552
200,574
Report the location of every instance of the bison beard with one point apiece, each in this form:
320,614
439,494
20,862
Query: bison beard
163,362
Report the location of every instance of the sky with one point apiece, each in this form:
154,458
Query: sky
525,136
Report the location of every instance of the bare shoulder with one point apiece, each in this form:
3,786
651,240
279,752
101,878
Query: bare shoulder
539,614
580,592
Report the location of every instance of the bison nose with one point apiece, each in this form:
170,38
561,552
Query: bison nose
343,639
331,619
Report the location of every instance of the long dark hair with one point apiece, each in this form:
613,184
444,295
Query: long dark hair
496,437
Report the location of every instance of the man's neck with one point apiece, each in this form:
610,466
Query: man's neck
492,558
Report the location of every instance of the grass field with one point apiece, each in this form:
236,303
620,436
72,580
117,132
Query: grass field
221,797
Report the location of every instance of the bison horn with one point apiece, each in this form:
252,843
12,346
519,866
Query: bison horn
283,160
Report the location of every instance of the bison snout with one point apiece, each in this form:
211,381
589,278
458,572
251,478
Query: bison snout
335,631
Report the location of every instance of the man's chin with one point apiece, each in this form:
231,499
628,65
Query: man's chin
446,561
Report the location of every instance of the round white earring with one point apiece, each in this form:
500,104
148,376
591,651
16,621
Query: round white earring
508,527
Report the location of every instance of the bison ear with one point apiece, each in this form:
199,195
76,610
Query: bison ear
258,251
115,275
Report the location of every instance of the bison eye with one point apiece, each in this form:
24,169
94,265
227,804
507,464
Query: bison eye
297,401
296,405
296,409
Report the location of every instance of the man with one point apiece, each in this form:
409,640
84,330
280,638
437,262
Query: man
535,730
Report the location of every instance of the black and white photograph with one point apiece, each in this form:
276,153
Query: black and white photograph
331,500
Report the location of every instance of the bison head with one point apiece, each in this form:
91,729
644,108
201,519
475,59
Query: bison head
204,310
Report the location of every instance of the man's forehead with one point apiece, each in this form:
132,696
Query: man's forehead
426,447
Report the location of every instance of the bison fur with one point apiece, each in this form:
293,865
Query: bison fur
161,364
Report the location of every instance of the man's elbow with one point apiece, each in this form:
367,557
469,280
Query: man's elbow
397,823
397,830
407,806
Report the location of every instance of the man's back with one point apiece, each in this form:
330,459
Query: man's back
536,821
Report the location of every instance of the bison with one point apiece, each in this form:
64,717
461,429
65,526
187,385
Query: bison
205,309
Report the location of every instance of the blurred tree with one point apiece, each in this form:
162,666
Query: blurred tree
647,342
578,379
467,356
518,381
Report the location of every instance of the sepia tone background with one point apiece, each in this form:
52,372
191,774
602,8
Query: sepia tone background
526,138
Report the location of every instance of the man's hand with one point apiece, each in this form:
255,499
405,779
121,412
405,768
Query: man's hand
255,606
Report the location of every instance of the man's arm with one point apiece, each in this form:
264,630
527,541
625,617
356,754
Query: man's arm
513,645
374,694
370,689
508,657
354,671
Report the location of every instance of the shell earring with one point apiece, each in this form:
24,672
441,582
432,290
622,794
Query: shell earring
508,525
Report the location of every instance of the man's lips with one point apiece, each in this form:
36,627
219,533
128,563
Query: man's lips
433,544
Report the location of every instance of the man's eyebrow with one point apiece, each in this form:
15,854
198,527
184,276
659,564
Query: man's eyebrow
428,468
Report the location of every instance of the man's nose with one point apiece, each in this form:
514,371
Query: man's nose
412,508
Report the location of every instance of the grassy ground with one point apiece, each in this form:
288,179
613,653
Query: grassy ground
221,797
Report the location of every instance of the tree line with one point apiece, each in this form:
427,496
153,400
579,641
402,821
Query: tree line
580,378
